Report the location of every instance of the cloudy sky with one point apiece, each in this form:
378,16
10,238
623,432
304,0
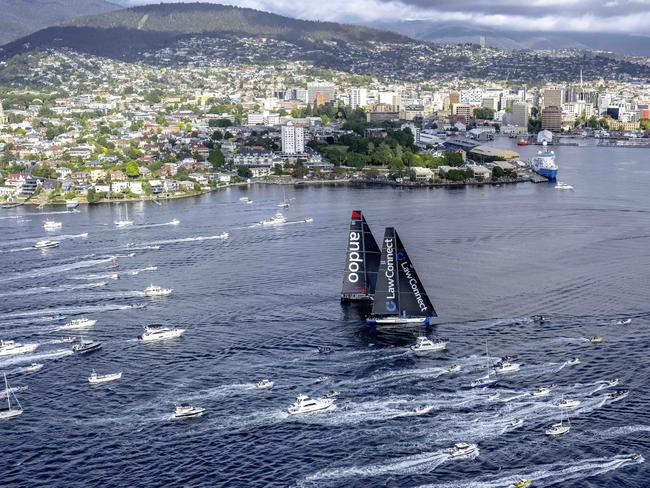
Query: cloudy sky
623,16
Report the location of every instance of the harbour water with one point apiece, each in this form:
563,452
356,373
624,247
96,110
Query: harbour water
258,304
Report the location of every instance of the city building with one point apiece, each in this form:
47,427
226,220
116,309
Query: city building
293,139
462,110
520,114
552,118
319,93
3,117
553,97
358,97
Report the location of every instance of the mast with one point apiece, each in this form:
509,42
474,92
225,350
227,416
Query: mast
7,391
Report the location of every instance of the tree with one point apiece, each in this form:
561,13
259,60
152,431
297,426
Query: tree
277,170
484,113
132,169
299,171
644,124
217,135
244,172
216,158
92,195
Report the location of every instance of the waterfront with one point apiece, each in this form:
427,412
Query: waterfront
259,303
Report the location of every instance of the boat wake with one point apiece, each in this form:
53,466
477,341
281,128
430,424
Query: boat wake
222,236
53,270
52,289
71,310
35,358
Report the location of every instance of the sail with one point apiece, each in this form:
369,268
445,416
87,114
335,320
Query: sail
399,291
362,260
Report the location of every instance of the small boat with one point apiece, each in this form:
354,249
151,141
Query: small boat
174,222
309,220
488,379
493,396
325,350
277,219
618,395
185,411
423,409
635,457
264,384
569,403
454,368
245,200
156,291
124,222
69,339
424,344
58,317
304,404
543,391
71,204
506,366
624,322
32,368
332,394
523,483
95,379
522,142
52,225
559,429
82,323
84,347
158,332
323,378
596,340
540,319
563,186
612,382
516,423
45,244
284,205
462,449
573,360
13,348
11,411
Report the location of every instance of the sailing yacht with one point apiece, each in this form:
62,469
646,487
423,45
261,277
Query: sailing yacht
285,203
11,411
488,379
400,297
124,222
361,263
559,429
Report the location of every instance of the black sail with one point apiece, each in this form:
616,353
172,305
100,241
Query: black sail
399,291
362,261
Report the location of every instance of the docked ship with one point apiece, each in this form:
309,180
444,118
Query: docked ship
400,297
361,263
544,163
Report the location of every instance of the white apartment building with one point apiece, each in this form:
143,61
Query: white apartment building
293,139
358,97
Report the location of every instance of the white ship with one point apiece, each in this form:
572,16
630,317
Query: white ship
12,348
156,332
544,163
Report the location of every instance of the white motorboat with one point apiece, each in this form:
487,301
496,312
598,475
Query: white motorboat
304,404
596,339
185,411
156,291
423,409
618,395
95,378
174,222
69,339
11,411
71,204
462,449
82,323
245,200
13,348
573,361
265,384
505,366
52,225
563,186
516,423
454,368
569,403
324,378
493,396
332,394
309,220
543,391
424,344
277,219
45,244
32,368
613,382
157,332
624,322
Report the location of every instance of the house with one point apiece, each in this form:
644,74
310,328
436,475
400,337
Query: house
186,185
171,186
260,172
156,186
97,174
64,172
480,172
136,187
118,175
119,186
200,178
421,174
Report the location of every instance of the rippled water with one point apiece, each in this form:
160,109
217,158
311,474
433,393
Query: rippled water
260,303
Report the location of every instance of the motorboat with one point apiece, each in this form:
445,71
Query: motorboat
424,344
84,347
304,404
325,350
624,322
540,319
635,456
82,323
564,403
493,396
542,391
563,186
174,222
332,394
71,204
158,332
13,348
245,200
454,368
58,317
185,411
309,220
95,379
69,339
573,361
277,219
462,449
284,205
506,366
32,368
612,382
618,394
523,483
46,244
423,409
516,423
156,291
52,225
10,411
596,340
324,378
264,384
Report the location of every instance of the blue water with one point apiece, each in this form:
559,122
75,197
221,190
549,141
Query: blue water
258,305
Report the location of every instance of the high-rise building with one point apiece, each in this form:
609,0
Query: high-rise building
553,97
520,114
293,139
358,97
462,110
3,117
454,97
319,93
490,102
552,118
